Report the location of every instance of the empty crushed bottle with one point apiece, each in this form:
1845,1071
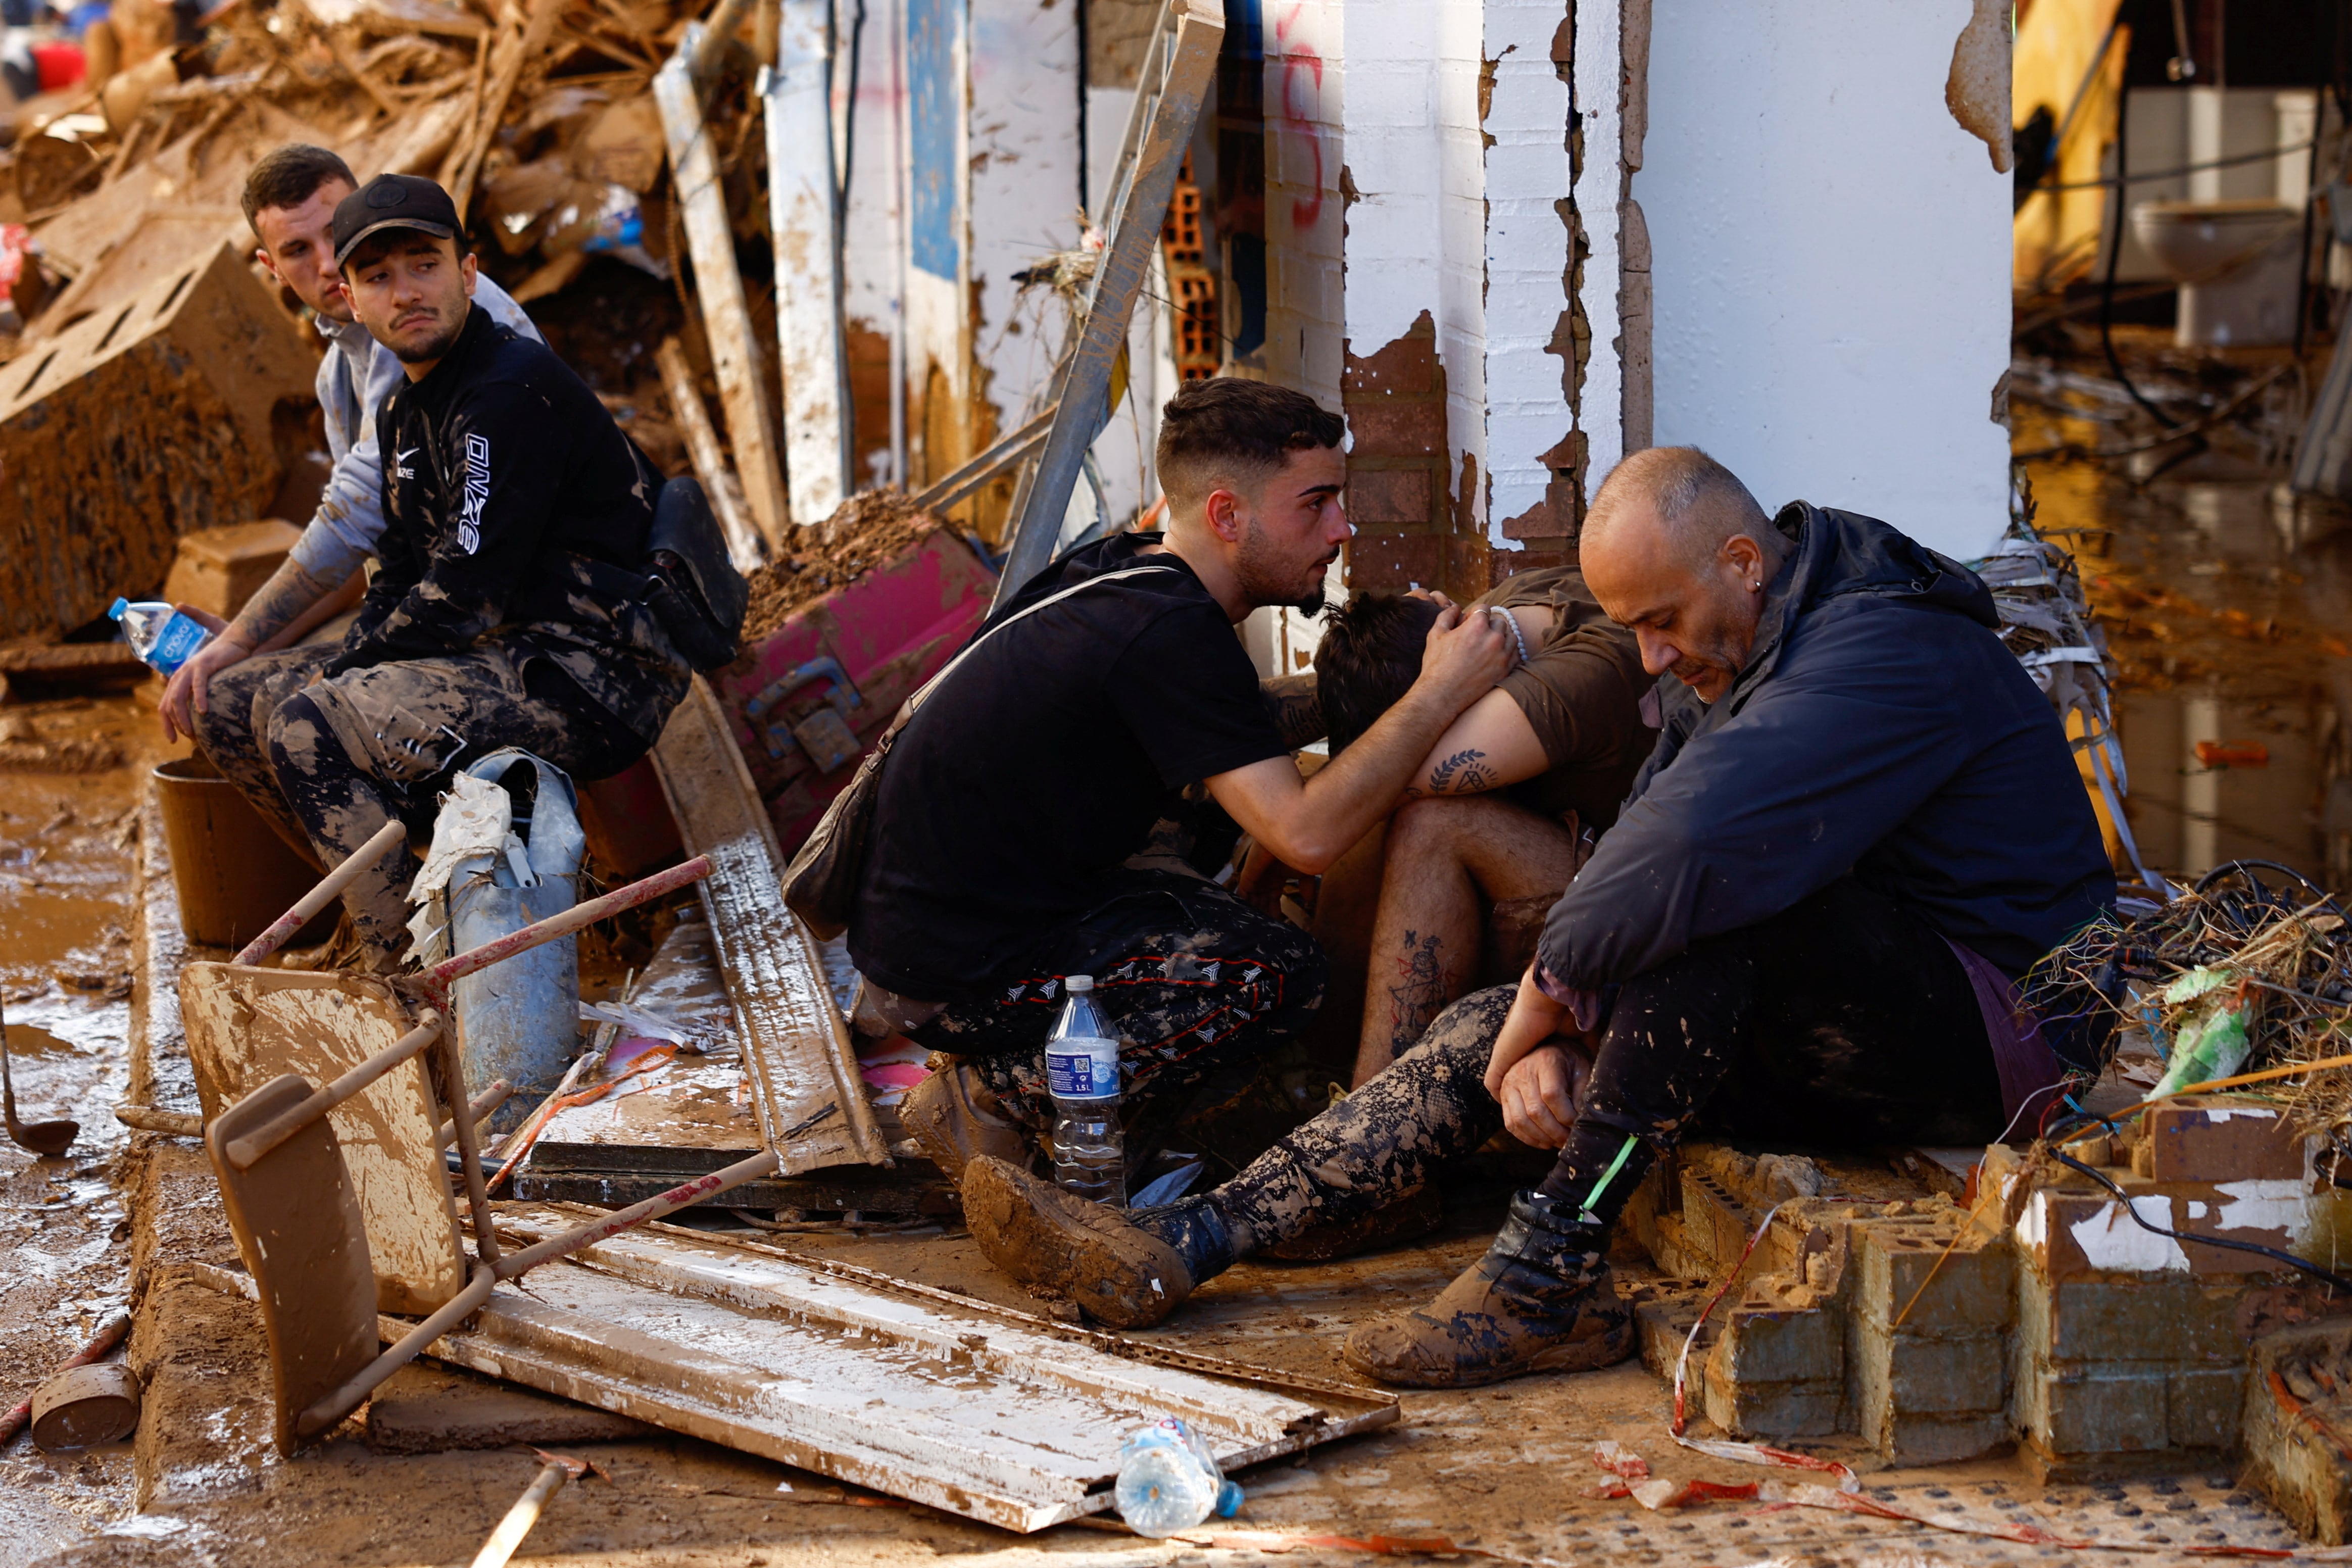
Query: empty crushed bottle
1082,1075
1168,1480
162,636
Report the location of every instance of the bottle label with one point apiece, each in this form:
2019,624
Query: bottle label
176,644
1082,1068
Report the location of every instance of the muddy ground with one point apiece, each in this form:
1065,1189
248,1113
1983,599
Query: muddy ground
2224,622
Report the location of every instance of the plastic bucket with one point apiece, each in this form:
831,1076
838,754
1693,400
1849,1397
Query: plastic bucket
234,874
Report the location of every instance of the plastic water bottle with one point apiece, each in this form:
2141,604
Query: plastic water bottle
158,634
1082,1075
1168,1480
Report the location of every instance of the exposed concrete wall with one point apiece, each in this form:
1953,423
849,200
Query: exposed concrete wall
1830,260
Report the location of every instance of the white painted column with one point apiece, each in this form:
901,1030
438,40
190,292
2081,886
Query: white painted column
1599,76
1527,257
1305,211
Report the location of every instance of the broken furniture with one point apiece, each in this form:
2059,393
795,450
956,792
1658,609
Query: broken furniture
140,424
912,1390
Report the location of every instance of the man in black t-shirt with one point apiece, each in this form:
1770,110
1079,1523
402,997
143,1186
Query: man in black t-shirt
1017,794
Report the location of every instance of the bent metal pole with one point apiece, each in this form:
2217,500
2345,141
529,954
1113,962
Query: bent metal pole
318,897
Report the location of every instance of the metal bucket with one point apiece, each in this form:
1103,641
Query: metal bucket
234,873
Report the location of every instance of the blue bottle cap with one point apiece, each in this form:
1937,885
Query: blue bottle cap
121,608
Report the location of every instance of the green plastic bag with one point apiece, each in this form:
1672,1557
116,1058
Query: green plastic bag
2212,1044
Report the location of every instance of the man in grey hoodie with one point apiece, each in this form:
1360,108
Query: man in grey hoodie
1861,826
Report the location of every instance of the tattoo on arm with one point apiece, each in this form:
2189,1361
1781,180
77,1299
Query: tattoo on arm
290,591
1464,773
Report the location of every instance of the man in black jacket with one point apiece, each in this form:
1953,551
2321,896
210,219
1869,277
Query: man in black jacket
1861,826
514,512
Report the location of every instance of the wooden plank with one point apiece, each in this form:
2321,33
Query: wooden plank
804,223
983,1412
719,288
246,1026
1178,66
812,1107
720,485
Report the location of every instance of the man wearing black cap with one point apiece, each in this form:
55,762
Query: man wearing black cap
507,612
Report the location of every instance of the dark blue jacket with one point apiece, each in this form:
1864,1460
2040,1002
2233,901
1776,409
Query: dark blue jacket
1880,727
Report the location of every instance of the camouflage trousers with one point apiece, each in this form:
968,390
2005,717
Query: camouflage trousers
1192,979
1846,1020
332,761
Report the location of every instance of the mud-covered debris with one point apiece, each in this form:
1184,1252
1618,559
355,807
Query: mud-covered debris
868,530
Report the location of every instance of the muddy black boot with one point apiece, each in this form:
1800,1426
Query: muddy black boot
1129,1270
1541,1300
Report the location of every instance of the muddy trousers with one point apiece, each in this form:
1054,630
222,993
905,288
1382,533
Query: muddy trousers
1843,1021
1192,980
338,758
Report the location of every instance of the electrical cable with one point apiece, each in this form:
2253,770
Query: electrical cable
2313,1269
2114,258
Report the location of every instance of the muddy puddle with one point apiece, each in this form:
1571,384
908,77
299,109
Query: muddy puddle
66,844
2228,607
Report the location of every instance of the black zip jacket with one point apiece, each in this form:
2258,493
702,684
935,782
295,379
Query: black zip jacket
515,509
1880,727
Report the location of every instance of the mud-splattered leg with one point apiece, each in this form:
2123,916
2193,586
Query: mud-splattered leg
1443,855
341,808
233,728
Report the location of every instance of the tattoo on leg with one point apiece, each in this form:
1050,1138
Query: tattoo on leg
1424,985
1462,773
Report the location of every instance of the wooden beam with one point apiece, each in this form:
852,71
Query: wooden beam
812,1107
1178,66
719,288
725,491
804,220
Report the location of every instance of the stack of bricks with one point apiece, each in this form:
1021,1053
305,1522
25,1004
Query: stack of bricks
1927,1346
2130,1352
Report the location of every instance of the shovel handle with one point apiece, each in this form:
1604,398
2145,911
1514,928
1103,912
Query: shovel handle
318,897
243,1152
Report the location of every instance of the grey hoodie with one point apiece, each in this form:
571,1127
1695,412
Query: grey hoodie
1879,728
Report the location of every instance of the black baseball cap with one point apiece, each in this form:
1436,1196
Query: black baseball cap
393,201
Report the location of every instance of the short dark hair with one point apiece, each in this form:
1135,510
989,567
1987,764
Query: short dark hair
1368,658
290,176
1226,428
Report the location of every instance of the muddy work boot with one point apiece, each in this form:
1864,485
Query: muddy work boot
955,1120
1129,1270
1541,1300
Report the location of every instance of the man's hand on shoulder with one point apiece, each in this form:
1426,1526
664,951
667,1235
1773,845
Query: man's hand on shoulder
1461,659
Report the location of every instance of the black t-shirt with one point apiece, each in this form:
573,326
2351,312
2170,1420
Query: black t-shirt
1040,764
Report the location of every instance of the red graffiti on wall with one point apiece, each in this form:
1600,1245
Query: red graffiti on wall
1297,60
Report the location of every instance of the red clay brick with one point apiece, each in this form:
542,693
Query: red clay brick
1388,495
1408,364
1505,563
1385,427
1395,560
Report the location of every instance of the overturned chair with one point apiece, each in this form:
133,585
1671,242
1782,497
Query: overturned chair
293,1205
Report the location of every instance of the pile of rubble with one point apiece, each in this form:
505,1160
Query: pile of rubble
154,382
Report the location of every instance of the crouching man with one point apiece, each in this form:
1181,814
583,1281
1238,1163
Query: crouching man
1508,802
1019,793
1860,827
515,524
